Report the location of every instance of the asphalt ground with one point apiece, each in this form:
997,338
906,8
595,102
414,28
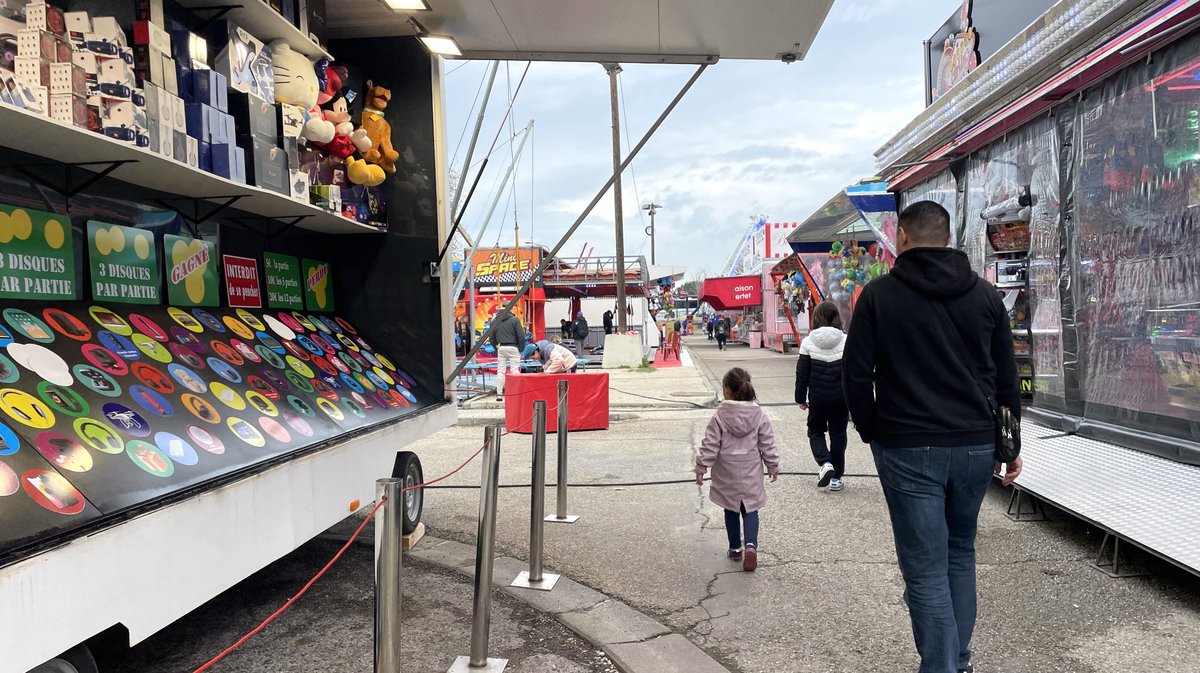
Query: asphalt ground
330,629
827,596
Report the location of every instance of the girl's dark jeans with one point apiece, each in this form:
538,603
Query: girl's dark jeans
733,527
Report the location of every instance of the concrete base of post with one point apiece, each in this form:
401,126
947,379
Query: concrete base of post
570,518
622,350
463,665
547,583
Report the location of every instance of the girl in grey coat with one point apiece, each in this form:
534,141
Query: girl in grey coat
737,443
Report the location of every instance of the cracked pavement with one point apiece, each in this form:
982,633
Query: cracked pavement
827,594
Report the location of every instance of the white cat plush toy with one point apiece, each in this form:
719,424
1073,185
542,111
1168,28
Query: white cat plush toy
296,84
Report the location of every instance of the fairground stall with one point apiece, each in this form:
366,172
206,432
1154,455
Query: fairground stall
1069,160
224,302
738,298
494,276
834,256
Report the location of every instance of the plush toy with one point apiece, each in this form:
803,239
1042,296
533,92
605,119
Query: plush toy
346,139
296,84
377,128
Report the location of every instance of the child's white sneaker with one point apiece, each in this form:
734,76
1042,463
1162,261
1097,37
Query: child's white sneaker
835,484
825,475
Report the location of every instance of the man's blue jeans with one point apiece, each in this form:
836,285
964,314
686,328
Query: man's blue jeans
933,496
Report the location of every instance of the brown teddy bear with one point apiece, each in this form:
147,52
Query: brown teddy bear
377,128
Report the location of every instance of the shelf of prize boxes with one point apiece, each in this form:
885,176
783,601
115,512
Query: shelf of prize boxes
264,23
42,136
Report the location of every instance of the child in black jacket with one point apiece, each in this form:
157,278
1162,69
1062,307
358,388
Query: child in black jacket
819,390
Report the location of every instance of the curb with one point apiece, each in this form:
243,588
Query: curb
635,642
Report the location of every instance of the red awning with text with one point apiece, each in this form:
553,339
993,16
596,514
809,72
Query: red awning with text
733,292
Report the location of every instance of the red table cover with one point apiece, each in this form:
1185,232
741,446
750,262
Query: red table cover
587,401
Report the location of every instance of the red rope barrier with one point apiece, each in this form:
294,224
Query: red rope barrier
227,651
211,662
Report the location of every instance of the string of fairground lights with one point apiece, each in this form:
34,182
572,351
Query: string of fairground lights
303,590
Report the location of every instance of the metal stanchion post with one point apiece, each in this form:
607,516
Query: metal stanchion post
485,543
389,535
534,578
560,505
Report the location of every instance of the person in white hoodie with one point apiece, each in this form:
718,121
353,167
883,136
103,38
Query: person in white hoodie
819,390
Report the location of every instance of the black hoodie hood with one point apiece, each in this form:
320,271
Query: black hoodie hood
940,273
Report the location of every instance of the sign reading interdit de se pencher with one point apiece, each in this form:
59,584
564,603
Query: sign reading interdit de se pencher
241,282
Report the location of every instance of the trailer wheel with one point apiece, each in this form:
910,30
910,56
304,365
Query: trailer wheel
78,659
408,468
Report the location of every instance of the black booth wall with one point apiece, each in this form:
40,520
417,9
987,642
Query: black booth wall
379,278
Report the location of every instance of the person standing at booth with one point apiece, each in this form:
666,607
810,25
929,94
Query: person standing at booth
509,340
608,322
580,331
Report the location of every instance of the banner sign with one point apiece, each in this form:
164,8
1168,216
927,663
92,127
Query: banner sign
37,258
732,292
192,278
124,264
505,267
318,286
241,282
283,281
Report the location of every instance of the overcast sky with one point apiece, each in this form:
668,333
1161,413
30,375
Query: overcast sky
750,137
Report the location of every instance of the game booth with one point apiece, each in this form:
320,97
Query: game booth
216,322
495,276
739,298
835,255
1071,172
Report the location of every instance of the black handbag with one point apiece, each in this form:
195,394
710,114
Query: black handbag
1008,425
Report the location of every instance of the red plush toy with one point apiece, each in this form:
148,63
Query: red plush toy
335,109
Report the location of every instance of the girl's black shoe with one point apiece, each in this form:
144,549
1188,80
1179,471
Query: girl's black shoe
735,554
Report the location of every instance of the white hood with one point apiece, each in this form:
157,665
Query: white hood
824,343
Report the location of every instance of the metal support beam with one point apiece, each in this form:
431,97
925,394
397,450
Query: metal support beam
197,217
614,69
67,189
546,261
461,280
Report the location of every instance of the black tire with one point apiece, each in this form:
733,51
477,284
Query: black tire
408,468
78,659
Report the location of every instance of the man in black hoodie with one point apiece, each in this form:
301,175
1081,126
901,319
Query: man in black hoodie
926,341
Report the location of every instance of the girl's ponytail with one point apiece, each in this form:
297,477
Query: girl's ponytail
737,384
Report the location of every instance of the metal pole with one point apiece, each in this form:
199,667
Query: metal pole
613,70
485,543
389,539
534,577
466,165
928,73
653,208
560,504
549,258
461,280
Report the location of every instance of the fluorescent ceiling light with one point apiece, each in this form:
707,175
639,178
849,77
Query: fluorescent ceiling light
408,5
441,45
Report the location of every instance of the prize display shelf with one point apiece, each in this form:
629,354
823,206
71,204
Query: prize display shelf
42,136
257,17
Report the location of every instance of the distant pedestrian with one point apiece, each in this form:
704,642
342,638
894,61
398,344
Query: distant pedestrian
708,327
608,322
580,331
721,330
819,390
929,358
509,340
566,328
738,442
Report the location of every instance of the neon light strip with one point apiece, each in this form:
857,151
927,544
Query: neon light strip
1136,32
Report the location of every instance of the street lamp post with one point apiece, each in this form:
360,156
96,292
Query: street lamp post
653,208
